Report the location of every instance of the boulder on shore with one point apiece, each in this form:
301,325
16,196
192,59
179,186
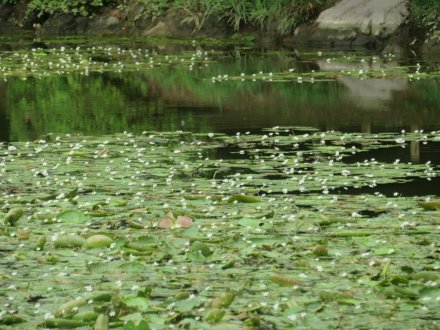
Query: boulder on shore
173,24
431,46
367,23
69,24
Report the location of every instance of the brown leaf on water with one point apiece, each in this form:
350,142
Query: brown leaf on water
103,153
184,221
166,223
170,215
284,280
23,234
138,212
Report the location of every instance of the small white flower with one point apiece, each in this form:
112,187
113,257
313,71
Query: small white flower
48,316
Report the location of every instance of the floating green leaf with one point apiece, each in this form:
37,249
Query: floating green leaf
320,251
284,280
13,216
101,322
430,206
243,199
71,216
63,324
69,307
69,241
12,319
140,303
99,241
214,315
202,248
142,325
87,316
223,300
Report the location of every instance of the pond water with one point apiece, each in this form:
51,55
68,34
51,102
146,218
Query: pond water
203,98
205,186
176,98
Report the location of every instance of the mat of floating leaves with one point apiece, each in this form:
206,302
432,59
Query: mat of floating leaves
155,230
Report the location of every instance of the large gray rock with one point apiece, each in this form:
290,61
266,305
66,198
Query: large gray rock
431,46
173,25
102,25
68,24
378,18
356,22
60,24
6,10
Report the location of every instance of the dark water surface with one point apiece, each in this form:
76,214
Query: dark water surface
176,98
138,101
180,99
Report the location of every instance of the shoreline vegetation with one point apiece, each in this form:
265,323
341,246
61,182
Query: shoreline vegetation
281,16
274,22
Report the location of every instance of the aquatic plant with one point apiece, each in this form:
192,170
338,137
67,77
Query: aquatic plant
96,97
273,241
333,67
63,60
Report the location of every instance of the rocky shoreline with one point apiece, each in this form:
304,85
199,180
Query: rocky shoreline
374,25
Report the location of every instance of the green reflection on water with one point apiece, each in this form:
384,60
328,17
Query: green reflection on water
176,98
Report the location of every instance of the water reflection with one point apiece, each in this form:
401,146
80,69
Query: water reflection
415,147
372,93
173,99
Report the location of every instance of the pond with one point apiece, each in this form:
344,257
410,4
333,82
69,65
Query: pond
191,184
185,97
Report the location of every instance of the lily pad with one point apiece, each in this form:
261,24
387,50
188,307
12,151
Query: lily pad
69,241
71,216
243,199
99,241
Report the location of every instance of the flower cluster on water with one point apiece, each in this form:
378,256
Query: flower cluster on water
40,62
287,229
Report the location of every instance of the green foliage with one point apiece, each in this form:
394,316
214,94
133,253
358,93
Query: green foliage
260,13
198,11
154,8
77,7
137,9
281,15
284,15
425,14
4,2
237,12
